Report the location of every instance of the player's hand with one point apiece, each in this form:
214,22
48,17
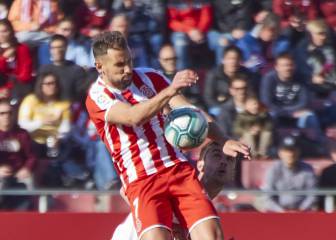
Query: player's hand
232,148
185,78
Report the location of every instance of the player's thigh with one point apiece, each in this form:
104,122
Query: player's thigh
190,203
157,233
150,206
207,230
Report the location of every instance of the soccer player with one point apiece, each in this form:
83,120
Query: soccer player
214,171
126,107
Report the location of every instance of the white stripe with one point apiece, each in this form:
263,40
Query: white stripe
125,152
155,124
126,155
143,144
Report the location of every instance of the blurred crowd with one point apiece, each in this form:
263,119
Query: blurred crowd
267,75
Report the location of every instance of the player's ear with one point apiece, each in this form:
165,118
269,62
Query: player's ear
99,67
200,165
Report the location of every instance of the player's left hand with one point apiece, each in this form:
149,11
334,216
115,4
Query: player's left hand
232,148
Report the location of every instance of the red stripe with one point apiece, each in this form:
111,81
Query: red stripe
150,135
170,149
115,138
158,81
159,84
117,146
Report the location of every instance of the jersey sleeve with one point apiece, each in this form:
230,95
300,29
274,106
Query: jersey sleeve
159,81
98,104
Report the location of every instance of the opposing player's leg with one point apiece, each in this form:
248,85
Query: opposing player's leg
192,205
207,230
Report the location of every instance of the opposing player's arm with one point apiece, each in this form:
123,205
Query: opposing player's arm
215,132
133,115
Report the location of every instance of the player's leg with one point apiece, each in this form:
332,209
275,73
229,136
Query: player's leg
157,233
192,205
207,230
151,208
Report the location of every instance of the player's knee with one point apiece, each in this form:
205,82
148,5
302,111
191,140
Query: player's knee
209,230
157,234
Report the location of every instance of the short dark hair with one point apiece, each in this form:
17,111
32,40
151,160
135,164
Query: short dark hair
205,149
238,77
5,101
233,48
108,40
58,37
284,55
38,85
271,21
10,27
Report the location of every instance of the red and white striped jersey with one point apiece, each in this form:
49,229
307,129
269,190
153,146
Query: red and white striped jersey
138,151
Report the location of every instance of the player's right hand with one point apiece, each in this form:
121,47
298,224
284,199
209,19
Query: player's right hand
185,78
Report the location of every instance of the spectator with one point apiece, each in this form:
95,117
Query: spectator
167,59
217,80
15,61
231,21
316,57
286,97
78,48
238,89
120,23
254,127
289,173
44,114
263,44
189,22
17,159
287,9
295,31
34,20
328,9
328,176
144,29
71,76
96,18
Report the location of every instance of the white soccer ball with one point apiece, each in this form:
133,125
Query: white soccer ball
186,127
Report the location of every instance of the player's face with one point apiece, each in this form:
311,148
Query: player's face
116,68
215,164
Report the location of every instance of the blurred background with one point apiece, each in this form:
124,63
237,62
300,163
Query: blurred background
267,75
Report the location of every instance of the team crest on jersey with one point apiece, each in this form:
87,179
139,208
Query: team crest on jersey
103,101
147,91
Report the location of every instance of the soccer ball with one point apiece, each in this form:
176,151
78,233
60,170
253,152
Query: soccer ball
186,127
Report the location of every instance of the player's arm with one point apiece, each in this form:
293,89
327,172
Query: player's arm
215,132
134,115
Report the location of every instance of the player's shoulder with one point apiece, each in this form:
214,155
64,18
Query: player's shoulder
97,96
146,70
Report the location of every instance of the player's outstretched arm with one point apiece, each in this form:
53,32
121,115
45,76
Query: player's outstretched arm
134,115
